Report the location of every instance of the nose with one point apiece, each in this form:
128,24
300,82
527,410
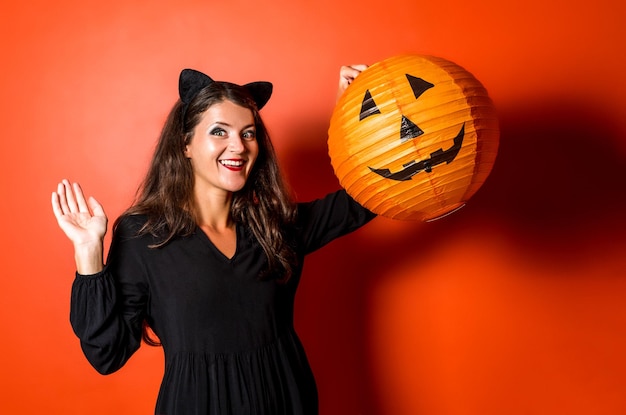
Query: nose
236,144
409,130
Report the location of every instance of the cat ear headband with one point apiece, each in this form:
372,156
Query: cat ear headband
192,81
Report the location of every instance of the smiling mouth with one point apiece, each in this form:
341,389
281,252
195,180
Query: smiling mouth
438,157
232,164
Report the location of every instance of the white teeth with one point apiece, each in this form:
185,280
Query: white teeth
234,163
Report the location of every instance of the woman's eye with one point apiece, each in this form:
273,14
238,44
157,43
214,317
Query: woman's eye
218,132
250,135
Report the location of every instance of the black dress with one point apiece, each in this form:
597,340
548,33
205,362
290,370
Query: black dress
228,336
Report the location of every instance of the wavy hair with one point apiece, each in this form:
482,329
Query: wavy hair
264,205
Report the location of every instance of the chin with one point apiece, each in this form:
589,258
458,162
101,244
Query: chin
234,187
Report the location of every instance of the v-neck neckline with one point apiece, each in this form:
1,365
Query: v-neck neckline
203,235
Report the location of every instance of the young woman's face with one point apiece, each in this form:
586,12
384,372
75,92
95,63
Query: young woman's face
223,148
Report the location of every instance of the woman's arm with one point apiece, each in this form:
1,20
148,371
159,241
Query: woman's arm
323,220
107,303
337,214
84,223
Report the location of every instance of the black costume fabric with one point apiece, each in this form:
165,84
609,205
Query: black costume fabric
228,336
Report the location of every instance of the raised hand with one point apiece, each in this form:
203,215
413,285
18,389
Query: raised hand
84,222
347,75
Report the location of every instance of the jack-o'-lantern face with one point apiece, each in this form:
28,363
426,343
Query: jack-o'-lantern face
410,131
413,137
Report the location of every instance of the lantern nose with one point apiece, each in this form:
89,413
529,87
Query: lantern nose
409,130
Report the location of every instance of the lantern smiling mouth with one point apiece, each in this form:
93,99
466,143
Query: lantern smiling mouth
438,157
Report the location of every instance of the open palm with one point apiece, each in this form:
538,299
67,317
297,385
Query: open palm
83,222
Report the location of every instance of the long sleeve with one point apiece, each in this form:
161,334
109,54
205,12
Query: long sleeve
328,218
108,308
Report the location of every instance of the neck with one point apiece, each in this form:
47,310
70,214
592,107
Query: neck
213,210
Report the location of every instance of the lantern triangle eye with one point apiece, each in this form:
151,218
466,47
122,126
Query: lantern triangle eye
368,107
409,130
418,85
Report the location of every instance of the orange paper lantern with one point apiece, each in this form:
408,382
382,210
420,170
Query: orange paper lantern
413,137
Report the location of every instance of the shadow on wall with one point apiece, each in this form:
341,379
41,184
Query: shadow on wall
558,182
557,187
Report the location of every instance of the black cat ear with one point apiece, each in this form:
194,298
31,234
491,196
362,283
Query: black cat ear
368,106
190,83
260,91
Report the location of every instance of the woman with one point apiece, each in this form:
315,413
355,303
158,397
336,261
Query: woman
209,257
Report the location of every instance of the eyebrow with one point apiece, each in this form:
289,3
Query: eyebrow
225,124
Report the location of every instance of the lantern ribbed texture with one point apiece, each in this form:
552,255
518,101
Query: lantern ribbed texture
454,105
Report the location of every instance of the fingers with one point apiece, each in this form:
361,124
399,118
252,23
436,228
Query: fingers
69,196
62,199
80,198
347,74
360,67
56,205
68,199
352,71
96,207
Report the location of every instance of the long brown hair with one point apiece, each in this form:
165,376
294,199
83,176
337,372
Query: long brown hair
166,195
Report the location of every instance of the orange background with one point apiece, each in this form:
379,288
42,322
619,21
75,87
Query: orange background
513,305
